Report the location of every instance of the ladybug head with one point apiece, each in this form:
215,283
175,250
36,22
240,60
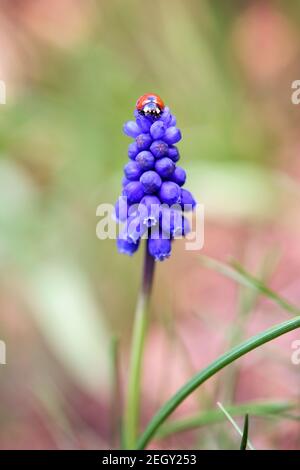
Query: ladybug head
150,105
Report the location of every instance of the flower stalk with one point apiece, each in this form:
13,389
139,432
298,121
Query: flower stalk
131,417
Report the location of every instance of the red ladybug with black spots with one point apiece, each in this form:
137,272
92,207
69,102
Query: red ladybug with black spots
150,105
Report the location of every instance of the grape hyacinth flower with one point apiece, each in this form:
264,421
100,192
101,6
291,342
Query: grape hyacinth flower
153,181
152,205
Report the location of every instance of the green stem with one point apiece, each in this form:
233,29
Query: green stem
212,369
131,417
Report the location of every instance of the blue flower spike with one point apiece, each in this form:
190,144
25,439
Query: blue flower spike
152,183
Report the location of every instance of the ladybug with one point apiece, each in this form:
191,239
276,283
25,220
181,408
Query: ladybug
150,105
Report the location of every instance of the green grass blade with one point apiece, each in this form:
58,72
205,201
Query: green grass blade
291,416
209,371
238,274
264,409
244,440
263,289
235,425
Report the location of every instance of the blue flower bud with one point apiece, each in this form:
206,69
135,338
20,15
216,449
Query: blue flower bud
172,121
187,200
151,182
181,229
186,227
125,181
150,200
168,218
121,209
157,130
166,116
173,153
126,246
178,176
133,210
172,135
134,192
135,229
169,193
145,160
149,210
165,167
131,129
132,171
143,122
133,150
143,141
173,223
159,248
159,149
